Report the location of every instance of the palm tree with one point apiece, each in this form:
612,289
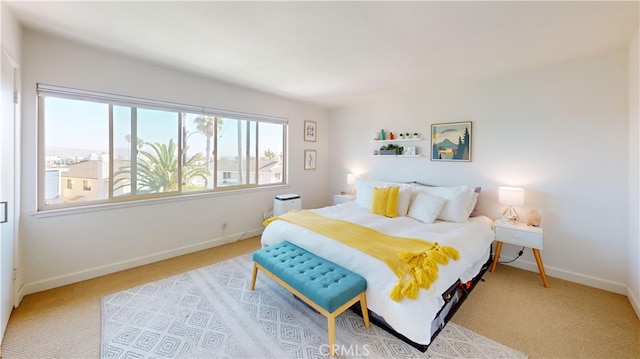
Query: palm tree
204,125
270,155
157,170
139,144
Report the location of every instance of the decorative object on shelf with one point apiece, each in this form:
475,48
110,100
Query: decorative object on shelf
391,135
382,135
310,159
401,136
409,151
511,196
533,218
310,131
451,141
391,149
376,136
351,181
407,135
415,135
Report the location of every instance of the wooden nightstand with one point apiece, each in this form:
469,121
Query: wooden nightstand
521,235
341,198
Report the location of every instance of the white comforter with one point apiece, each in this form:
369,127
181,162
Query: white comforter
412,318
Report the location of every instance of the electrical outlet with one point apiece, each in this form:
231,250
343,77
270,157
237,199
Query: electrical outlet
224,224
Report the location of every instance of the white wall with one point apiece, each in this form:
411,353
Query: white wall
72,246
11,33
11,46
633,291
559,131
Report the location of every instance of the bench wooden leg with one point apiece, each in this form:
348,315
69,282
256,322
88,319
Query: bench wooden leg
331,323
254,275
331,319
365,311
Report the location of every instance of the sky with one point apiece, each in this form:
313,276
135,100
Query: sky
84,125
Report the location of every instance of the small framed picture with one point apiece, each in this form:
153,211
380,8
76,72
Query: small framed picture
310,159
310,128
451,141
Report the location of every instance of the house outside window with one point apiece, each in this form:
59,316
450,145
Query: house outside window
124,149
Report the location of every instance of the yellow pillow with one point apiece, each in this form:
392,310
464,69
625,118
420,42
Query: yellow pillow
392,202
385,201
379,200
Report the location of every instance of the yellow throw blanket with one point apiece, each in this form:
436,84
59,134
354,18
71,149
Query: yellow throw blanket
414,261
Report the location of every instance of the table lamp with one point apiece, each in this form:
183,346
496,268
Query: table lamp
351,181
511,196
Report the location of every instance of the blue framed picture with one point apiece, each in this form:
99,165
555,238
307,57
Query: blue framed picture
451,141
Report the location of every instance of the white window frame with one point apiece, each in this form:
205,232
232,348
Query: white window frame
44,91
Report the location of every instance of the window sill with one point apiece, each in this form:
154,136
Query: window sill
148,202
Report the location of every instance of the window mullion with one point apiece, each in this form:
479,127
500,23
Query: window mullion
111,146
181,160
257,165
248,154
215,155
42,155
134,151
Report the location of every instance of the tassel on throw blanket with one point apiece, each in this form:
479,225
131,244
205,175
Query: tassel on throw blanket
414,261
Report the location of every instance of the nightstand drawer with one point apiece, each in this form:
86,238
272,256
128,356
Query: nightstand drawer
518,237
342,198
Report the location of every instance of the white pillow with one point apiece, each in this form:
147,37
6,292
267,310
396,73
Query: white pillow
472,203
458,199
364,194
404,199
425,207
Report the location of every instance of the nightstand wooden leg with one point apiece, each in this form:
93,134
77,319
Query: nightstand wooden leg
496,256
536,253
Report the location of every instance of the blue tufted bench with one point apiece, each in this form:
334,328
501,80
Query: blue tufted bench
325,286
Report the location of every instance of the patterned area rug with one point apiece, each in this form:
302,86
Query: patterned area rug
211,313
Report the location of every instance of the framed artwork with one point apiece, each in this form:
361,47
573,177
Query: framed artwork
310,159
451,141
310,131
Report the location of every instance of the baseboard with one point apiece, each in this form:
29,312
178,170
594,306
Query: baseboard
635,303
95,272
573,277
19,297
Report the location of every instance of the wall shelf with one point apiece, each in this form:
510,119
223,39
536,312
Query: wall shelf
396,156
405,141
397,140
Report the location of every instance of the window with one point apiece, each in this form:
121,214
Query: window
124,149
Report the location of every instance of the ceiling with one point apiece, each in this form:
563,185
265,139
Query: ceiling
337,53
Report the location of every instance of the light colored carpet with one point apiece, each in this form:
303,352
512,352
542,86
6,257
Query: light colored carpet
566,320
210,312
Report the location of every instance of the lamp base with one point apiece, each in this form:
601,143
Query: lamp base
511,215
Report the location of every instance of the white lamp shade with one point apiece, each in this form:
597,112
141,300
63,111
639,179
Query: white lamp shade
511,196
351,179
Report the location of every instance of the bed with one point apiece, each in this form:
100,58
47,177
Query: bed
437,214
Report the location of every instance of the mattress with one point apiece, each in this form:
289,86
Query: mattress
411,318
